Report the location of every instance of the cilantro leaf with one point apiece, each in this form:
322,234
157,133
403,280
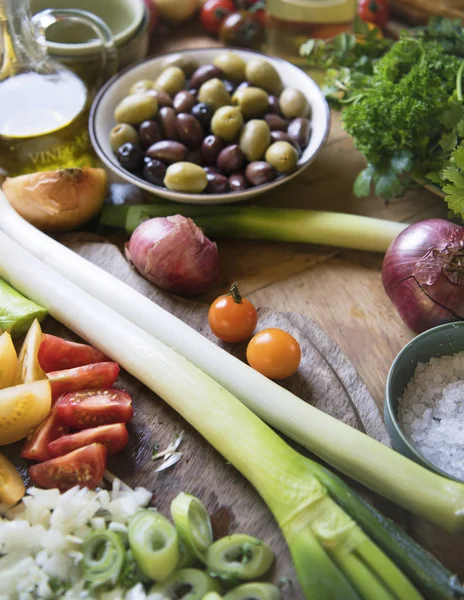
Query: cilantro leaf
363,182
454,190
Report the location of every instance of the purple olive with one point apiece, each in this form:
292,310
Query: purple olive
230,87
237,182
230,159
183,102
209,169
211,147
130,157
154,171
163,98
168,118
205,73
274,105
203,113
300,131
217,184
149,133
195,157
259,172
189,130
168,151
276,122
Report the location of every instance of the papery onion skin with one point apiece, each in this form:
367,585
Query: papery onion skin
174,254
423,274
59,200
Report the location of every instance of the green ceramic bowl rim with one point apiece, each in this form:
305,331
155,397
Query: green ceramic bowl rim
388,399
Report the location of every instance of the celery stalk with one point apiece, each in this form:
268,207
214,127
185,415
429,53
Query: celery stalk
376,466
264,223
318,532
17,313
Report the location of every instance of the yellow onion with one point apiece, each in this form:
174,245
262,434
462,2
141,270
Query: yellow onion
58,200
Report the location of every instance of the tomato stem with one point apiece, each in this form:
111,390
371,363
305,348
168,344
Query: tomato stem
234,292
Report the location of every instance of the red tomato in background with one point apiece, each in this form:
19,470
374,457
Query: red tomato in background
91,408
150,4
84,467
36,446
56,354
256,7
374,11
100,375
113,437
214,12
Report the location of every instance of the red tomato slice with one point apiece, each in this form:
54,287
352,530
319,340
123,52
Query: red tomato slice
84,467
91,408
113,437
56,354
99,375
36,446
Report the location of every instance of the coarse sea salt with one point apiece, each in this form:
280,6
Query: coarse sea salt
431,412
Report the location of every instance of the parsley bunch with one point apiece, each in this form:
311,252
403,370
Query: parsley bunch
402,104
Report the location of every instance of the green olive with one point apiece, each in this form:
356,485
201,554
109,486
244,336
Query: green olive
185,62
171,81
255,139
254,591
282,156
185,177
262,74
141,86
253,102
227,122
213,92
121,134
136,108
232,65
198,583
293,103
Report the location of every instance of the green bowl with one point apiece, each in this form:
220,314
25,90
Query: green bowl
440,341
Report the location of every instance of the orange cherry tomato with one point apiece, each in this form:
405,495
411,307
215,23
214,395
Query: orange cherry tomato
231,317
274,353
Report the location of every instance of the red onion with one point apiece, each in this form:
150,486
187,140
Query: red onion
423,274
173,253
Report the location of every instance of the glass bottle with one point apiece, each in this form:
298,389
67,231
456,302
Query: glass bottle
290,23
43,106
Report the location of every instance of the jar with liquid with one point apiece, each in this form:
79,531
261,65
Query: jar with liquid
43,106
290,23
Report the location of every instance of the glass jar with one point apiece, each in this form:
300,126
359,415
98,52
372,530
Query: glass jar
43,106
290,23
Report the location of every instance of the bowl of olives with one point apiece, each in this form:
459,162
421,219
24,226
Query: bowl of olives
209,126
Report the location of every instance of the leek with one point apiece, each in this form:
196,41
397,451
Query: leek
357,455
329,550
103,558
239,556
17,313
154,544
198,583
193,524
264,223
258,591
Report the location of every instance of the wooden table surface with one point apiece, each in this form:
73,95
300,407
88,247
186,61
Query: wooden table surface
340,289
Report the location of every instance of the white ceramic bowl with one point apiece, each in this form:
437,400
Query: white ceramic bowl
102,121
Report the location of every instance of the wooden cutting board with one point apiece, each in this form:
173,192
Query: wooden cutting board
326,379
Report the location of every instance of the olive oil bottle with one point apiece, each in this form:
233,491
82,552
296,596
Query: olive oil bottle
43,106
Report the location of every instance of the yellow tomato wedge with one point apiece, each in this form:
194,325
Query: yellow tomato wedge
8,360
28,369
11,485
23,407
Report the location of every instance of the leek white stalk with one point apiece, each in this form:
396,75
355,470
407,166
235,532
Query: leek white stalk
332,555
356,454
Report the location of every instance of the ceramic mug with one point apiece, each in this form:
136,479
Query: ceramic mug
75,45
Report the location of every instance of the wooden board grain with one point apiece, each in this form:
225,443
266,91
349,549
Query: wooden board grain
326,378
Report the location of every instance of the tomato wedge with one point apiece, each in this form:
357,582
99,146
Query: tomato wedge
91,408
113,437
36,446
11,484
84,467
99,375
22,408
56,354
